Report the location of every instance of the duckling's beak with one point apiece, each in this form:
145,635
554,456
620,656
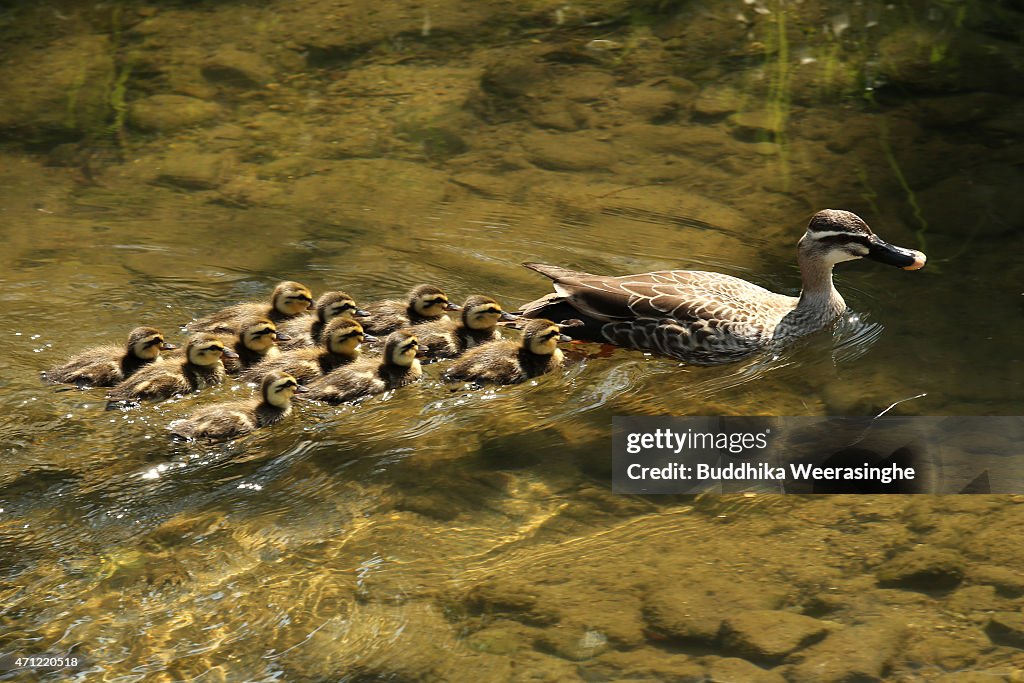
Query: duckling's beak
883,252
421,351
301,389
168,346
507,317
228,353
452,307
370,338
281,336
360,313
564,338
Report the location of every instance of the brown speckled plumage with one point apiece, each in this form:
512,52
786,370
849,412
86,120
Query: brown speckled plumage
450,339
705,317
106,366
391,314
307,330
226,420
289,299
341,340
179,376
511,362
372,375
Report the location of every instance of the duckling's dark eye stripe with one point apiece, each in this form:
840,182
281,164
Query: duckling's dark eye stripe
287,385
434,302
154,341
264,331
489,310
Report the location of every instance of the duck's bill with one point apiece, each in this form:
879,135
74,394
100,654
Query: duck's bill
360,313
564,338
301,389
281,336
168,346
452,307
228,353
507,317
370,338
891,255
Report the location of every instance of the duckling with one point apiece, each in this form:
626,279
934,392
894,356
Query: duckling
241,417
512,362
201,367
479,325
307,330
255,342
424,303
288,300
397,368
105,366
342,338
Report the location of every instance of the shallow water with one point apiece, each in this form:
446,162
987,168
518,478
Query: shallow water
438,531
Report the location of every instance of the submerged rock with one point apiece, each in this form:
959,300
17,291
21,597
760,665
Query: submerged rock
237,68
770,635
1007,628
569,152
60,93
858,653
925,568
161,113
733,669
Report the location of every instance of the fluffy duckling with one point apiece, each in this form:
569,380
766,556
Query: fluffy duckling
479,325
342,338
201,367
288,300
255,342
424,303
308,330
232,419
397,368
512,362
105,366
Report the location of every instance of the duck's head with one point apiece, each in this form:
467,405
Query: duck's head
834,236
401,348
483,313
260,334
291,298
343,336
430,302
278,387
333,305
541,337
207,349
147,343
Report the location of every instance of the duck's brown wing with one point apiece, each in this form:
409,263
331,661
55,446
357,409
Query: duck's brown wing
678,294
